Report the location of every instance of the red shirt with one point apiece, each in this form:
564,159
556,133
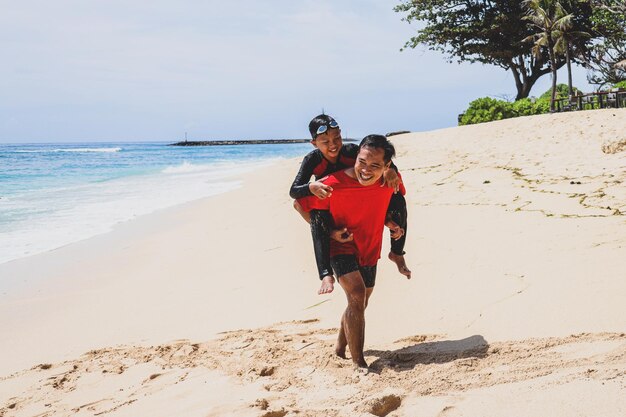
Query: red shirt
360,209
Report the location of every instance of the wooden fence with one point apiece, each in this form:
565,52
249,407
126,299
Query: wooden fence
597,100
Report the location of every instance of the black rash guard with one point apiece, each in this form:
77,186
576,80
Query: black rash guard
315,165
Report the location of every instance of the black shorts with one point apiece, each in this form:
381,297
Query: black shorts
344,264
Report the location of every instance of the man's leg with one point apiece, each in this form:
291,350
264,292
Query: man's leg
342,342
353,319
358,284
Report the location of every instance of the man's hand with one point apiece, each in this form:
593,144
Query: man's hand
391,179
396,231
320,190
341,235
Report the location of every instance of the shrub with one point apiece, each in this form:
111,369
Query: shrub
542,106
523,107
486,109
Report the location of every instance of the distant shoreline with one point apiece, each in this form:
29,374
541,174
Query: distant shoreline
243,142
238,142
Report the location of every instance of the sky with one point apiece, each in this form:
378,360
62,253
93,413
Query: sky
131,70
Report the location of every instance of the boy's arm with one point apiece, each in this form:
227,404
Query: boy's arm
300,186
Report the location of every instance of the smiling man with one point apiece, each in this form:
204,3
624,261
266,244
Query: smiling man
329,156
359,204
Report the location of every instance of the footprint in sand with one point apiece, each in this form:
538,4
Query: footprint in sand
382,406
279,413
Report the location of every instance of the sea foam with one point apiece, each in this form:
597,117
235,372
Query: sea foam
83,150
54,194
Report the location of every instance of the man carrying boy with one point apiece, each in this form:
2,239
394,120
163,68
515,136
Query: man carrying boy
359,204
330,156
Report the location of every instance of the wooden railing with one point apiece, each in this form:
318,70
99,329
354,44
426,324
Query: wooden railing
597,100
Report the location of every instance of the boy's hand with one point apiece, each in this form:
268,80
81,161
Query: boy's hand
320,190
391,179
341,235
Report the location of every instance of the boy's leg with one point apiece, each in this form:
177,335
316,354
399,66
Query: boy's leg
321,223
397,212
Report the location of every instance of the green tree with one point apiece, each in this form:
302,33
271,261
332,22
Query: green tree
566,42
550,21
609,24
486,31
574,40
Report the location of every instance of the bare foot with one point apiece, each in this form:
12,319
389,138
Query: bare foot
328,285
341,352
401,263
340,349
361,366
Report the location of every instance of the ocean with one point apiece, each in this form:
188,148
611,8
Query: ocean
54,194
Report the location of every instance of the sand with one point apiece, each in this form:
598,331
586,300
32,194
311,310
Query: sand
517,236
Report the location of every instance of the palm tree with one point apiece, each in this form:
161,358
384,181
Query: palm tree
550,20
565,38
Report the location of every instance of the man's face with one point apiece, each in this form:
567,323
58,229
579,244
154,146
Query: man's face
329,143
370,165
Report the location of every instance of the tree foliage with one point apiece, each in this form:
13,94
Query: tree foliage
550,21
488,31
609,23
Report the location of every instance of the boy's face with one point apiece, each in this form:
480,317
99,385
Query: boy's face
329,143
370,165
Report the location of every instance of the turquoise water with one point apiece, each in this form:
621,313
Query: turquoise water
55,194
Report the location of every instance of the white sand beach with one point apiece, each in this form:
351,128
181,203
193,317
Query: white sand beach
517,305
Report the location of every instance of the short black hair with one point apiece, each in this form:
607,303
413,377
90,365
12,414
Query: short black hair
319,120
379,142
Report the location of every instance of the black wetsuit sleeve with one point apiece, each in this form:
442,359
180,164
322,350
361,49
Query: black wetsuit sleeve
321,224
300,186
398,213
